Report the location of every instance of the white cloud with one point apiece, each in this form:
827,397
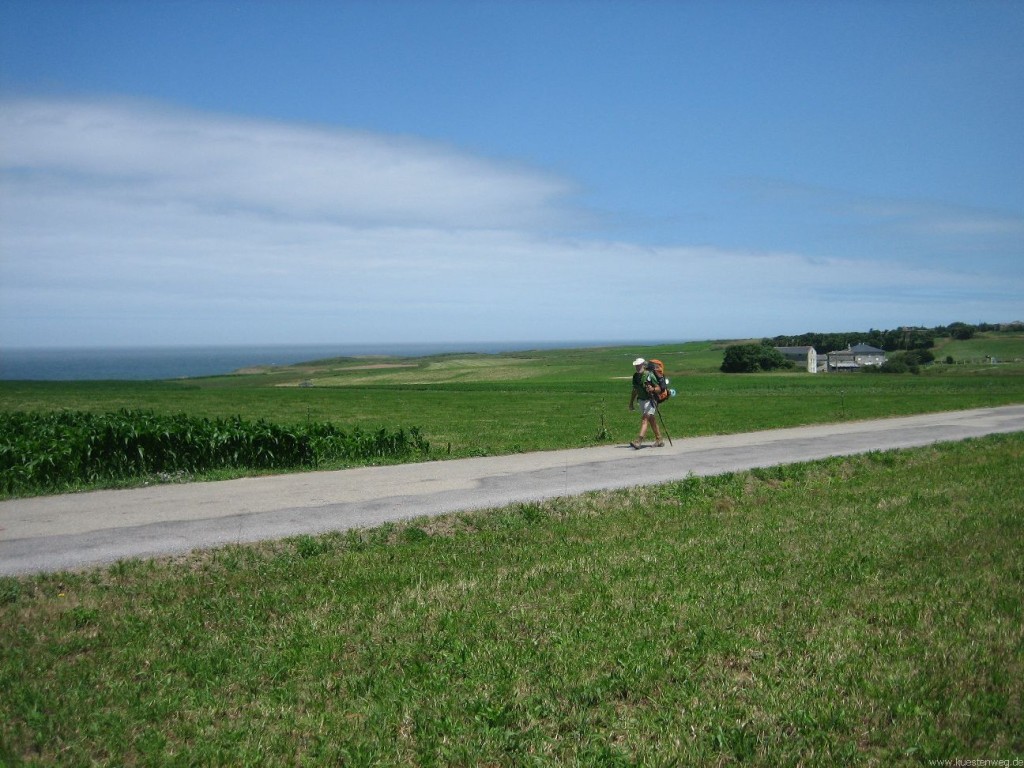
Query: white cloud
122,223
147,154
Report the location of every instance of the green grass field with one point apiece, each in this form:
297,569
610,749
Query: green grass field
474,405
855,611
860,611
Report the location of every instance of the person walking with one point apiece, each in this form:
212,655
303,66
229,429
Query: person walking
644,384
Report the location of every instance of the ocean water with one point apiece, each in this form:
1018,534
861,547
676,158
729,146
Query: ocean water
155,363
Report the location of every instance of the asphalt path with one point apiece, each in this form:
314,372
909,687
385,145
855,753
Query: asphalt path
82,530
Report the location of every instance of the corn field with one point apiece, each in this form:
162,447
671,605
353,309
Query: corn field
46,452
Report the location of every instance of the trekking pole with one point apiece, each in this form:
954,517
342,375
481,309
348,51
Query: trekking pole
663,426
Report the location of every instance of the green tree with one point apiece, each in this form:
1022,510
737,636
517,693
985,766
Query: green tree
961,331
750,358
920,357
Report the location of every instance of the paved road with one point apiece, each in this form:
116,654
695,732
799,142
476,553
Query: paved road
81,530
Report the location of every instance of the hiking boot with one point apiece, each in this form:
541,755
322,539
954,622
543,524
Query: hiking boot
636,444
660,444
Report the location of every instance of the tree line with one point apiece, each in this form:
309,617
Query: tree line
899,339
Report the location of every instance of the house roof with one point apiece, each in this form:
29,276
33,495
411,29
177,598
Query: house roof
866,349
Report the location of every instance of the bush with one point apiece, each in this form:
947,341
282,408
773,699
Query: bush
920,357
901,362
749,358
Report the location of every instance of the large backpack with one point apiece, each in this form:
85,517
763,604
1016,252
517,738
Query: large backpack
662,393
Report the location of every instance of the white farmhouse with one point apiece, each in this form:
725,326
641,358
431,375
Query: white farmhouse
857,356
805,356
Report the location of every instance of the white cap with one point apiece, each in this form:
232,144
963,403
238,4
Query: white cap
639,361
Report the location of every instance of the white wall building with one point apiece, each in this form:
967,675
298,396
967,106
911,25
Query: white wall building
857,356
805,356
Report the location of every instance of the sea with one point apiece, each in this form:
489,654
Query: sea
160,363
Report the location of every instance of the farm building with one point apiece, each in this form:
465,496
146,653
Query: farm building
805,356
857,356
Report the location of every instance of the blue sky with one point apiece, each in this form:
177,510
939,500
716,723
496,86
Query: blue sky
265,172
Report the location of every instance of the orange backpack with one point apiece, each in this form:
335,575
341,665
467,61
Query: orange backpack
662,393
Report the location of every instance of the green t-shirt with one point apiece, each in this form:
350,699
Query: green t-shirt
640,382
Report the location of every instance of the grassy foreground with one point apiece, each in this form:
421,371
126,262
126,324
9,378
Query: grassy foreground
855,611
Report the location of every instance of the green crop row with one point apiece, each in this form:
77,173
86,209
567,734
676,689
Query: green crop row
52,451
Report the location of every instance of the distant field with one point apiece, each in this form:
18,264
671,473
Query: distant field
1005,348
471,405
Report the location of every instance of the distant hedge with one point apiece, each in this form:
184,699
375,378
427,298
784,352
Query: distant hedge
57,450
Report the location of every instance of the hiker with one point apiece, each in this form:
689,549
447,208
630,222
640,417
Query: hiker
644,385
